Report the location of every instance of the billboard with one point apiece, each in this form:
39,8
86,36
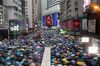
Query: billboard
52,19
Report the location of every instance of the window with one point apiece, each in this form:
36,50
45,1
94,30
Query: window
1,22
26,5
76,3
70,10
35,1
0,16
0,13
76,9
1,8
13,1
19,0
77,14
15,8
15,15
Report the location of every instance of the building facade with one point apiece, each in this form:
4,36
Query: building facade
3,16
23,5
51,10
36,13
51,7
3,21
14,9
28,12
71,9
13,12
33,12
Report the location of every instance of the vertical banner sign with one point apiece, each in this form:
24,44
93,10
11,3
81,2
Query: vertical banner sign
43,20
55,19
92,25
84,24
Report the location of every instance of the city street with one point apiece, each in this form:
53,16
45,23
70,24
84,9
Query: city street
49,32
30,49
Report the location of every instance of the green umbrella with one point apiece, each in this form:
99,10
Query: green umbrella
64,31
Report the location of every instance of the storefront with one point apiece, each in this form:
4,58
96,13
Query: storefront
15,27
73,26
91,27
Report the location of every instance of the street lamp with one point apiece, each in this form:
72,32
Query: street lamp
95,7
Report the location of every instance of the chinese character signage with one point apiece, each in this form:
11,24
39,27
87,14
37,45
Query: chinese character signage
84,24
92,25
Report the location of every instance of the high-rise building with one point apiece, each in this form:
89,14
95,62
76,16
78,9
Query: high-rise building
14,9
3,15
1,12
28,11
71,9
50,9
39,10
3,21
36,12
13,16
33,12
50,6
23,5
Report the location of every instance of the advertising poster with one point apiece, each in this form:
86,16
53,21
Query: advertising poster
92,25
75,25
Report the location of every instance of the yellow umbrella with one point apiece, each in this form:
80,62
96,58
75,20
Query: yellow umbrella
32,64
65,60
80,63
